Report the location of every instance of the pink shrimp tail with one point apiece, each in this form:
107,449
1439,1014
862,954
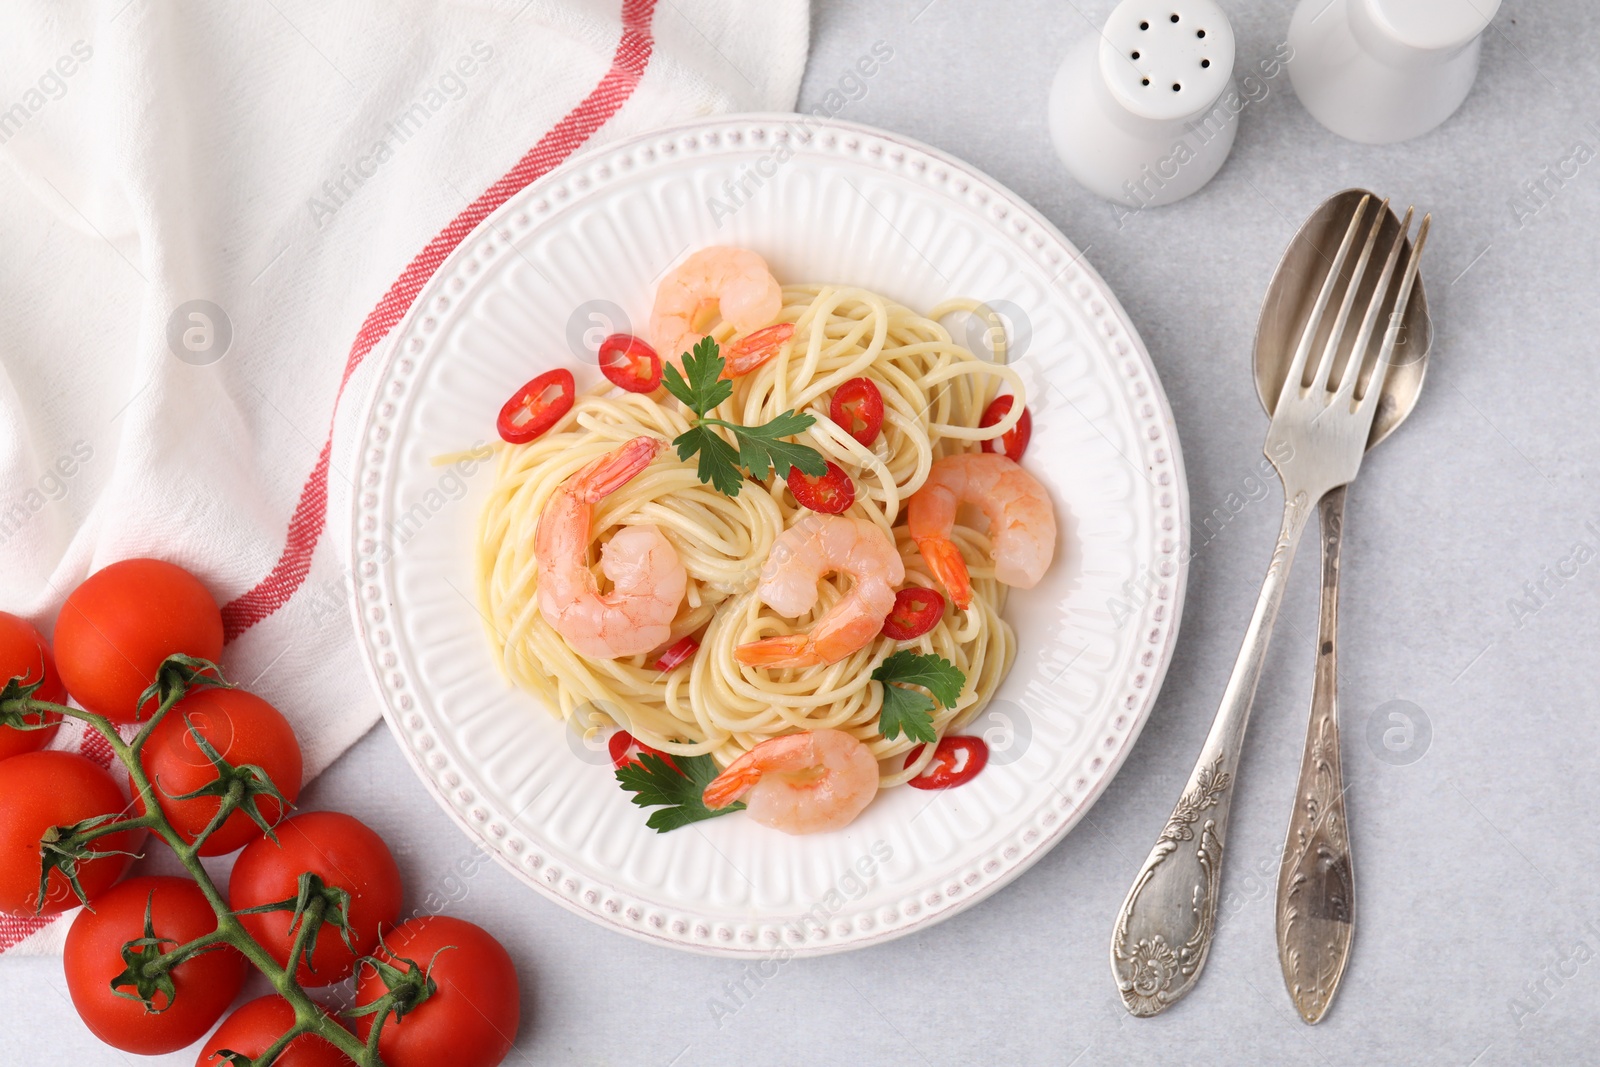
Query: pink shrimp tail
792,650
749,353
791,752
725,788
944,560
614,469
742,775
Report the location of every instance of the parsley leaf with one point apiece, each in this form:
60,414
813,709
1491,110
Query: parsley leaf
718,460
759,447
701,387
910,710
654,783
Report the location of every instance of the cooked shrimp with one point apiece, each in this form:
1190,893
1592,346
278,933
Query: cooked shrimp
731,282
801,555
800,783
648,580
754,350
1022,521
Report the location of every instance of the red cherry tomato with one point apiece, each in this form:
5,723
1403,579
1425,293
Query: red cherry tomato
343,852
677,655
205,985
858,409
1014,441
830,494
630,363
252,1029
246,731
24,654
534,408
916,611
625,749
471,1021
116,628
39,790
956,761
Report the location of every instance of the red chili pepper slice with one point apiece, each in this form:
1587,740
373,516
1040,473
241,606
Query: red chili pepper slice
625,749
533,409
678,654
858,409
916,611
831,493
956,761
630,363
1014,441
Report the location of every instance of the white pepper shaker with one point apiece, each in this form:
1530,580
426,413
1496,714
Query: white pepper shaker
1145,111
1380,71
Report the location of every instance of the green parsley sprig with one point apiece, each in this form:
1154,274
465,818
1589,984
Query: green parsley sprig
911,710
701,387
675,790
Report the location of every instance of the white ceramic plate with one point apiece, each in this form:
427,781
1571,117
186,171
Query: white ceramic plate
581,250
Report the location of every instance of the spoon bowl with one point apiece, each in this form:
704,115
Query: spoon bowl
1288,304
1316,887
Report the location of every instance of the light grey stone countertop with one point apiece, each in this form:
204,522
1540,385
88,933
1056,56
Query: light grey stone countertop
1471,586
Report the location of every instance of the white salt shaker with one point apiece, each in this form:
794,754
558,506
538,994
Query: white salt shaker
1145,111
1379,71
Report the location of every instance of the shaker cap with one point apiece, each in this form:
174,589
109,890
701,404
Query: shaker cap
1430,25
1167,59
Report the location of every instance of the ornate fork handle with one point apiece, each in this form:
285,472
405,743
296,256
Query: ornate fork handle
1164,930
1316,890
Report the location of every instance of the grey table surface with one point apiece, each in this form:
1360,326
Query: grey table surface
1472,573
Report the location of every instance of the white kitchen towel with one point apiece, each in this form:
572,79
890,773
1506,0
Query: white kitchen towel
211,216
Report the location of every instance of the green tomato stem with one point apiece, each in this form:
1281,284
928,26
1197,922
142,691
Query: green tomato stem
136,746
310,922
371,1047
309,1016
274,1050
133,822
165,962
226,806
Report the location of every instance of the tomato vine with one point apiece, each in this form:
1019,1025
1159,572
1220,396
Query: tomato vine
152,959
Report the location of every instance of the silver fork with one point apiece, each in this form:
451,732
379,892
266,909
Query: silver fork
1316,440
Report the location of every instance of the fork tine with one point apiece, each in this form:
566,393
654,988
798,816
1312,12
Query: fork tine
1391,334
1363,339
1308,336
1330,351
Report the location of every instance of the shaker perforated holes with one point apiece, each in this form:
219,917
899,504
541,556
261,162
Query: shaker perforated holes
1146,125
1166,63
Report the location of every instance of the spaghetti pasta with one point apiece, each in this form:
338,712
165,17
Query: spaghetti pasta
934,392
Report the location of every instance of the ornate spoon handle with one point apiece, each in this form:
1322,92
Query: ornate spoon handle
1164,930
1316,890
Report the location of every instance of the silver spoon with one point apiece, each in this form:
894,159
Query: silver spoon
1316,903
1318,434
